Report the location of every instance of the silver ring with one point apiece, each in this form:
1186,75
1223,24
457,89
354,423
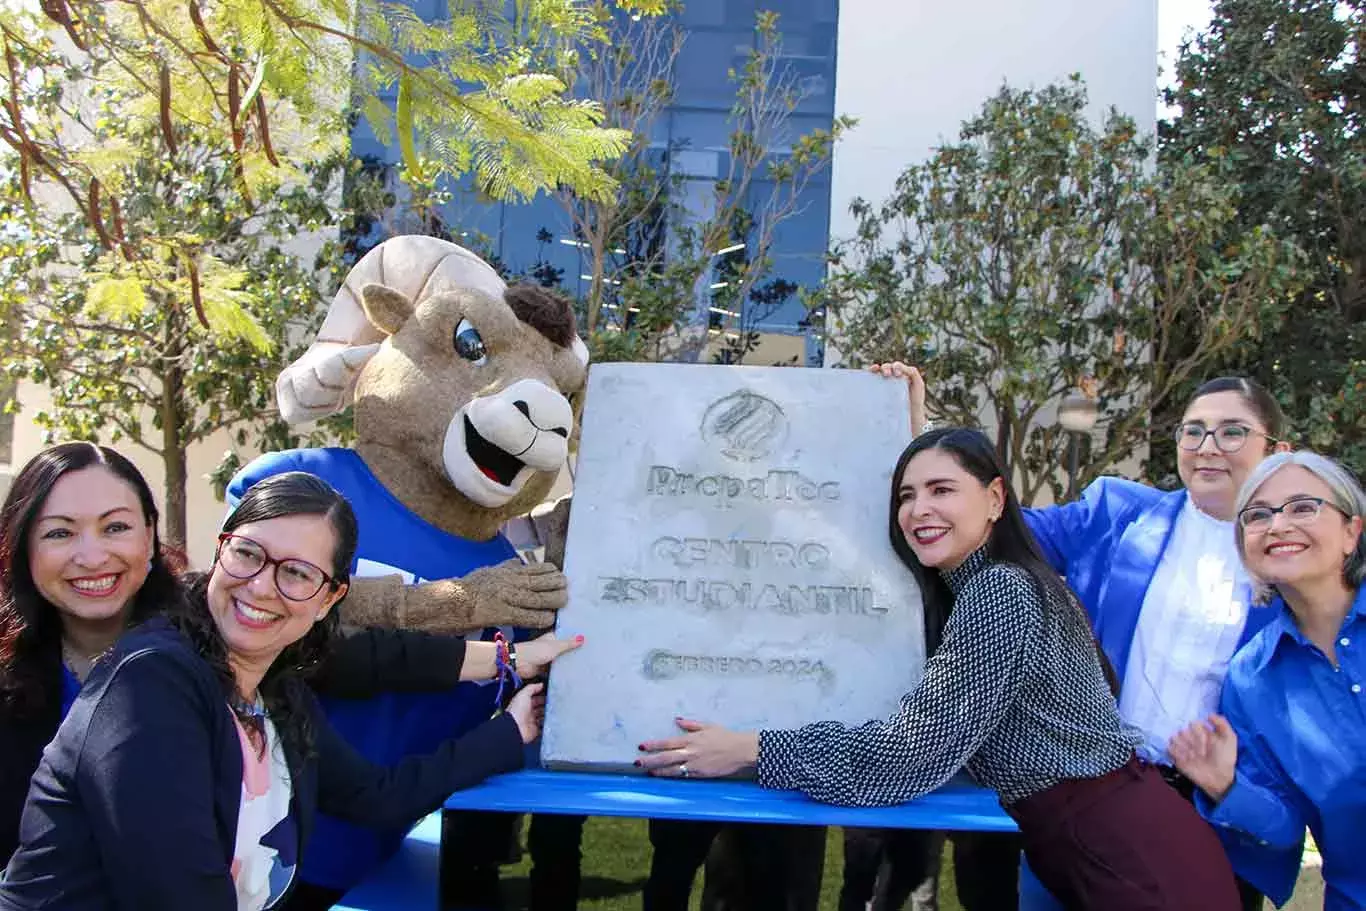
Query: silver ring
682,770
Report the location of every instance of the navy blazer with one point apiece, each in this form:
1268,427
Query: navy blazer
1108,545
22,739
135,803
362,663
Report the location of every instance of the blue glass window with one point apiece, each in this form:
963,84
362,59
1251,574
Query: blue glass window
695,132
701,72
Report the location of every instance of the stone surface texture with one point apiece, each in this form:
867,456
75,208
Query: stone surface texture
728,557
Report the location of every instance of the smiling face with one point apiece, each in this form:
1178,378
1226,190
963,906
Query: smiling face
945,512
1211,475
1295,550
477,388
90,546
256,621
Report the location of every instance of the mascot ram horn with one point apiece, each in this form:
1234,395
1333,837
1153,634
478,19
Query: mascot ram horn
464,394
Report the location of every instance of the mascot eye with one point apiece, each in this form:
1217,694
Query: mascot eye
469,344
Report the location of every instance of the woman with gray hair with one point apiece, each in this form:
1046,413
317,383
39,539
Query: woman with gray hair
1288,751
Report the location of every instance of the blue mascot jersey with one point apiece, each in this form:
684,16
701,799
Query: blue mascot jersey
390,727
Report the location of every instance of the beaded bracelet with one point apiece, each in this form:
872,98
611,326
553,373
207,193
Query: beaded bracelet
504,666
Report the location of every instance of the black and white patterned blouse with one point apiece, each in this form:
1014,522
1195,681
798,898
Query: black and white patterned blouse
1014,693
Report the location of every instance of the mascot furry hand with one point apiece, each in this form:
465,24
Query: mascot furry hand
462,389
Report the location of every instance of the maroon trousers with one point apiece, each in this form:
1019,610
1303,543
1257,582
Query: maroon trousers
1124,842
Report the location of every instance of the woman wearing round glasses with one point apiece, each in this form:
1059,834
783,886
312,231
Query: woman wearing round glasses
189,770
80,562
1158,571
1289,751
243,558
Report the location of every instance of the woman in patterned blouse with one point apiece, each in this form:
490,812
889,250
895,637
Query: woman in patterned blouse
1014,692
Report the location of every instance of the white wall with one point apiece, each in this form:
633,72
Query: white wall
912,71
204,512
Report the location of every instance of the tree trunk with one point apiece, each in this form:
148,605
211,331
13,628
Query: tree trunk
174,460
1004,420
173,455
597,252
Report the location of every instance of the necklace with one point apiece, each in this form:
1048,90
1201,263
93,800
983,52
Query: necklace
253,709
80,664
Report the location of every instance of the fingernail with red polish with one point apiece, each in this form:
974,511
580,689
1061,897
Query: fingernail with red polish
637,762
578,639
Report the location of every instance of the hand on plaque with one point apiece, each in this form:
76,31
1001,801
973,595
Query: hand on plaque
527,708
704,751
535,655
915,384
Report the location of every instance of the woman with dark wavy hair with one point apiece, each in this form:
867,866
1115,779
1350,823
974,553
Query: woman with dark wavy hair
192,764
80,559
1014,691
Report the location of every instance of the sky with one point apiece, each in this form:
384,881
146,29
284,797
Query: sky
1174,19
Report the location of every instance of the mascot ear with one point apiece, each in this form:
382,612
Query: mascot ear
386,308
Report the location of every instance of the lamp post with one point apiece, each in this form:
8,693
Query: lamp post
1077,414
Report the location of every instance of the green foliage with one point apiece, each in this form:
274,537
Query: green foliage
159,153
1039,254
483,92
166,320
1270,96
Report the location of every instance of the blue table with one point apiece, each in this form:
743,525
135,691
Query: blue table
409,880
956,806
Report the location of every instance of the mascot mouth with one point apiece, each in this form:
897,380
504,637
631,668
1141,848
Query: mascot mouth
494,462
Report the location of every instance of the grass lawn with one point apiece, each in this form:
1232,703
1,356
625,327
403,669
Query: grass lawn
616,858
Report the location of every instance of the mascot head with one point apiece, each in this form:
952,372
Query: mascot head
464,389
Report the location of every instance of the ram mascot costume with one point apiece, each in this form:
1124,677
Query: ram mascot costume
463,391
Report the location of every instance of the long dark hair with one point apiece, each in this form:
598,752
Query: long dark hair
1010,540
30,627
293,493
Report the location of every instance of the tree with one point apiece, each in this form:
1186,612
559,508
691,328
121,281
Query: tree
1272,94
1038,255
160,155
112,306
660,273
484,91
666,280
118,341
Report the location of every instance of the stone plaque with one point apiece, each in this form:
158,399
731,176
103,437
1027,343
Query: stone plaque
728,557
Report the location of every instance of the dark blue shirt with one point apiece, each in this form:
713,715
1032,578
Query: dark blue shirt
1301,726
71,688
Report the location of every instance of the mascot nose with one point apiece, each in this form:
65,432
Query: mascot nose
525,409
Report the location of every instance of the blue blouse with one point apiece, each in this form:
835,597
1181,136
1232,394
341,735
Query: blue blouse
1301,726
71,688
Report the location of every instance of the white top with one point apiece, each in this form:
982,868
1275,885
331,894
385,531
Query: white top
1188,628
267,849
